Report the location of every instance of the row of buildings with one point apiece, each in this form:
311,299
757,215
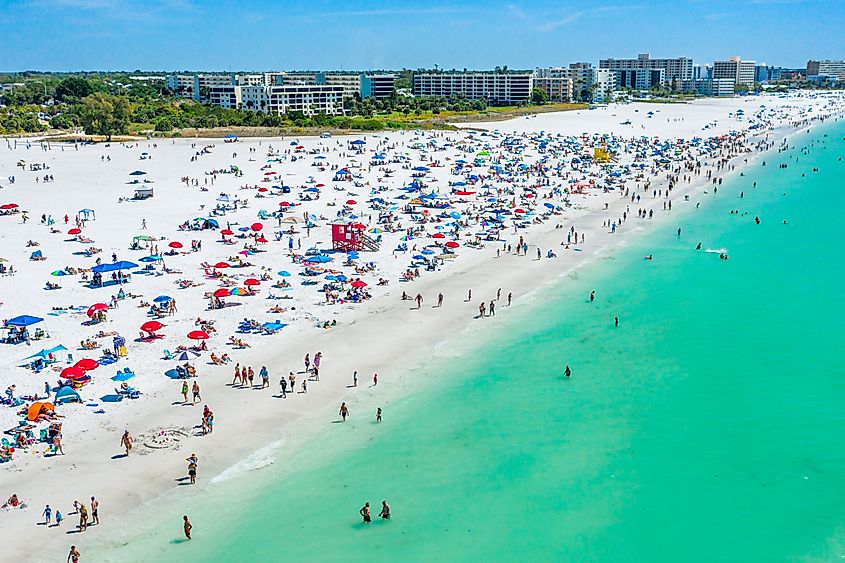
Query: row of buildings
317,92
281,92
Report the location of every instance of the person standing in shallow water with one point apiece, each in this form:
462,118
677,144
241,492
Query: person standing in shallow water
365,513
344,411
187,526
592,296
385,510
567,372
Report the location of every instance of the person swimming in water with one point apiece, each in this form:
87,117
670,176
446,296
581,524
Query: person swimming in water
567,372
698,246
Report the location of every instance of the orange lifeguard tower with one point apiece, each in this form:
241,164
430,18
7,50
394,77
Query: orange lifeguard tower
350,236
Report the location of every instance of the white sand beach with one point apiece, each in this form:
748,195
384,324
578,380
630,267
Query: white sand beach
484,188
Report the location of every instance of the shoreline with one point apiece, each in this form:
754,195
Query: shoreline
352,343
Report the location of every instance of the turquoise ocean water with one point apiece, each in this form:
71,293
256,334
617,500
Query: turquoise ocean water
707,427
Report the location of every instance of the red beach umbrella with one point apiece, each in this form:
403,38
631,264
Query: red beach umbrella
262,190
73,373
269,173
261,239
86,364
359,226
358,284
519,210
221,265
7,206
257,227
351,202
438,235
222,292
74,231
227,232
452,244
175,244
151,326
252,281
198,335
97,307
285,204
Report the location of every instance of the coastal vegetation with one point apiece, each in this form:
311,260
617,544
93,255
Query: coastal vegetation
108,105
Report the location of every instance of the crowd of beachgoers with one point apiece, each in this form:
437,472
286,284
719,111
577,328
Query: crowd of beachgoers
166,275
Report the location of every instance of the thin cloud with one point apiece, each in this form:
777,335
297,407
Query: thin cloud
574,16
388,12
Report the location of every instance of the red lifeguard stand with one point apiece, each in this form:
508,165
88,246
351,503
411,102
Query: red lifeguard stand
350,236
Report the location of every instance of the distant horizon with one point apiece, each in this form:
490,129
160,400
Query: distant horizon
220,36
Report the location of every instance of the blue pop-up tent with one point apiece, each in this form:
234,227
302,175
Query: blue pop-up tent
67,395
86,214
23,320
121,265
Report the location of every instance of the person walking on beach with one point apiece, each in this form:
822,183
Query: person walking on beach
344,411
283,383
265,377
439,300
187,526
365,513
481,310
492,308
48,514
195,392
510,296
419,300
126,441
73,556
355,378
95,511
385,510
375,379
469,295
237,378
193,462
378,414
83,518
184,392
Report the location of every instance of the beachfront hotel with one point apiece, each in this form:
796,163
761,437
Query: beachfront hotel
221,89
674,70
832,69
495,87
640,78
735,69
277,99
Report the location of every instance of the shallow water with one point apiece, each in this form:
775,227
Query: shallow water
706,427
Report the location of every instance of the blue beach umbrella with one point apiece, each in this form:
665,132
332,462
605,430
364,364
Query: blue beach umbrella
284,273
123,376
162,299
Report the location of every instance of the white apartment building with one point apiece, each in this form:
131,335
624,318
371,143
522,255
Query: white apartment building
675,69
741,72
716,87
310,99
495,87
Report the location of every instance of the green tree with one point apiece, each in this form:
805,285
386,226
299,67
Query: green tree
539,96
73,88
101,114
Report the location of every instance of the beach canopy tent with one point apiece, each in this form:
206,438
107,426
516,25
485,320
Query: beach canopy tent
46,353
37,408
124,375
137,173
86,214
274,326
67,394
121,265
23,320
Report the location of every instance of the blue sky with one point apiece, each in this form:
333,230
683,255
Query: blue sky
362,34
